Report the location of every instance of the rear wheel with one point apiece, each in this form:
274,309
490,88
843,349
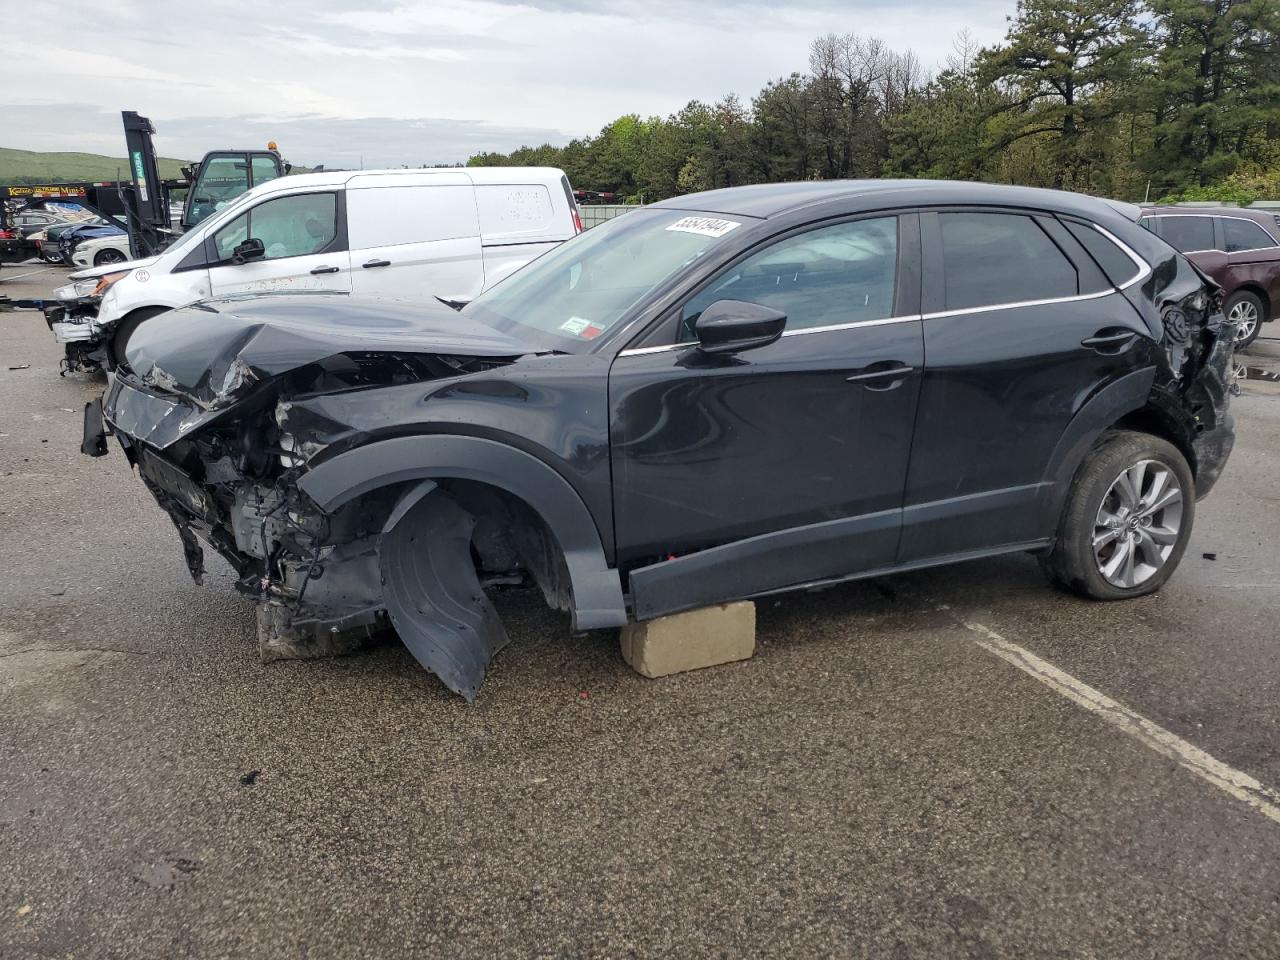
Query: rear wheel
1245,309
125,329
1127,519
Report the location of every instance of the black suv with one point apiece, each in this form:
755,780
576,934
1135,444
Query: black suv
721,396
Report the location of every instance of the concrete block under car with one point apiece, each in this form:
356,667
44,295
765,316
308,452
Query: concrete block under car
691,640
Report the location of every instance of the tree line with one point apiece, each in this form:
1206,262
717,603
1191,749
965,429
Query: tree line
1166,99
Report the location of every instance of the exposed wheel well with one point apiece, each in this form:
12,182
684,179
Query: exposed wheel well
1150,420
509,535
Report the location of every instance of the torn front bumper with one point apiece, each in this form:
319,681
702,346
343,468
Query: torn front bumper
74,325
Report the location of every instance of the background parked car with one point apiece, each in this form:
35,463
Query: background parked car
48,238
33,221
100,251
72,238
1238,248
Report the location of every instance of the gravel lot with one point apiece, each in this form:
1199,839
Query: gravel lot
874,783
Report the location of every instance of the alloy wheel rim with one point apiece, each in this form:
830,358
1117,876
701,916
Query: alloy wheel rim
1138,524
1245,314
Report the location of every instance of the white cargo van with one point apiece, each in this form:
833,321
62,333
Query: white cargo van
400,234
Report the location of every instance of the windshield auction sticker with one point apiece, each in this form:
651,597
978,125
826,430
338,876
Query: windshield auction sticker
704,226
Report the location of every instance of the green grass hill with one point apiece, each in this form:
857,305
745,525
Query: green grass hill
29,166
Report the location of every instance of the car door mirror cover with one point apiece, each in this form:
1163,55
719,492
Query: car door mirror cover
250,249
728,326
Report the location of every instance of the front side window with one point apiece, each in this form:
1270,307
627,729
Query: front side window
293,226
582,288
1188,234
990,259
1244,235
834,275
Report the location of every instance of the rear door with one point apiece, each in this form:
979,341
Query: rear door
305,241
782,464
1021,328
414,237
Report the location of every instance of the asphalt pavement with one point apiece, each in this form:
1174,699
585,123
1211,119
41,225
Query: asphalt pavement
875,782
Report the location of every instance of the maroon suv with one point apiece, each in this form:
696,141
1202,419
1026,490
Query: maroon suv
1238,248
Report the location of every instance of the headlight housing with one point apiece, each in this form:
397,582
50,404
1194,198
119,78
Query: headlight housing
93,287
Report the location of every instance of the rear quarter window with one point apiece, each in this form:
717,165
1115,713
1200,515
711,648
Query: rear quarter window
1115,263
510,213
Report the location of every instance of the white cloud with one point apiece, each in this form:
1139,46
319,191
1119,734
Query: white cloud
318,73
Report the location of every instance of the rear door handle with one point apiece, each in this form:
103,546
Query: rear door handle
375,263
883,375
319,270
1109,341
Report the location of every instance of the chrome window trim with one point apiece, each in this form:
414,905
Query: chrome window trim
1144,271
962,311
1144,268
829,328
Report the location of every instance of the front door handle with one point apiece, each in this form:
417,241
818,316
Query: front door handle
1109,340
376,263
319,270
882,375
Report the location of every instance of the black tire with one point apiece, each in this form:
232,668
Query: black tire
108,255
125,329
51,257
1072,563
1246,305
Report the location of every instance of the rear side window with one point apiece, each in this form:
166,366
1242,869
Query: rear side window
1245,235
1188,234
392,216
512,212
991,259
1115,263
846,273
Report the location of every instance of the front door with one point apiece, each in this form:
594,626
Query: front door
1019,334
782,464
305,247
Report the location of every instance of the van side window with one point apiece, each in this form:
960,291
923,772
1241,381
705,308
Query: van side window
845,273
293,226
388,216
1245,235
991,259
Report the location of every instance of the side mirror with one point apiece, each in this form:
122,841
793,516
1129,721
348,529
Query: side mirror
246,250
728,326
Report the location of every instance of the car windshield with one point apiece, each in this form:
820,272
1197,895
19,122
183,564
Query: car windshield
577,292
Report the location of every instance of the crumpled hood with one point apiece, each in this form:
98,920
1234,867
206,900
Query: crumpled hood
213,351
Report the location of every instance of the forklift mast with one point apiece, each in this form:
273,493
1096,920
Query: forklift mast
147,204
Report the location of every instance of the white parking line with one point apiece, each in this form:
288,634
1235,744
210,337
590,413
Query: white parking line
1228,779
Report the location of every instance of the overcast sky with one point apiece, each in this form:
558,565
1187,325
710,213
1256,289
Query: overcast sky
417,82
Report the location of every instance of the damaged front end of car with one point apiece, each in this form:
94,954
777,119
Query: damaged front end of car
72,318
222,415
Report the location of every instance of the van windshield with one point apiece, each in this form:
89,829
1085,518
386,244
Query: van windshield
581,289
